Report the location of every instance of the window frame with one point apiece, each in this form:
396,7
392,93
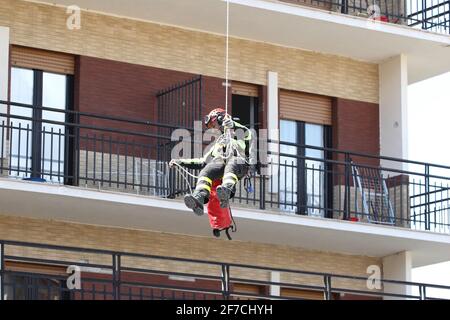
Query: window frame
36,170
302,196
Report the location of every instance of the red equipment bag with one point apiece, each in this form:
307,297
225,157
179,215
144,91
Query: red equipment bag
219,218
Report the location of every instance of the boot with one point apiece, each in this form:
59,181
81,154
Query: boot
224,194
195,202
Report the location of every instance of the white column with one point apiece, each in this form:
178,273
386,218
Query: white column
393,109
397,267
4,63
4,75
2,293
273,122
274,289
272,104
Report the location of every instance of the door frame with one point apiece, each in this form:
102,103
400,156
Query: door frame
36,128
302,196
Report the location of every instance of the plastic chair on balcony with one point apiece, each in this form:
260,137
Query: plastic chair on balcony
371,186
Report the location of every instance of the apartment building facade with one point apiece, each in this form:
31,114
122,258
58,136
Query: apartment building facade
90,98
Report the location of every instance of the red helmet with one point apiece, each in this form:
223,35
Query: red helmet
217,114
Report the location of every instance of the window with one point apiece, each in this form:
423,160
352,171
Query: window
22,88
24,281
303,176
38,145
27,287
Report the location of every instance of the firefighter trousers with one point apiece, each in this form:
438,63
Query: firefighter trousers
230,173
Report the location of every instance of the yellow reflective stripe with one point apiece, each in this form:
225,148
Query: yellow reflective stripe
203,187
232,176
229,180
206,179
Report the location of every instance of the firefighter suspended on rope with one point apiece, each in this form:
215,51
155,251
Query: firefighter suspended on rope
224,164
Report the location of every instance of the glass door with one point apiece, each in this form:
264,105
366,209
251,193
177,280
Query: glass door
54,95
303,175
38,137
288,166
20,124
314,170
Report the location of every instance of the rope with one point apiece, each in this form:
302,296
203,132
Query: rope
230,148
184,173
226,139
227,49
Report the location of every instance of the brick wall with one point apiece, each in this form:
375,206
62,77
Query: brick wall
168,47
129,90
356,127
115,88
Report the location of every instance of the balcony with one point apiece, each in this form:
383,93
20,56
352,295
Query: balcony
33,271
107,170
428,15
131,156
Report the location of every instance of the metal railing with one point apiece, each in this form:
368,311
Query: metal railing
116,153
46,272
432,15
129,155
330,183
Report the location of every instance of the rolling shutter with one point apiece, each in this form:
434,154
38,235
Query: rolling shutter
302,294
305,107
36,268
244,89
49,61
251,289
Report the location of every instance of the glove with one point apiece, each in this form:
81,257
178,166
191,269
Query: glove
173,162
228,123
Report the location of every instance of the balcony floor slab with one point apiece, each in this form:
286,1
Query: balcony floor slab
106,208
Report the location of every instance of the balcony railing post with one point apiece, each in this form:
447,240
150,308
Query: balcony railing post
2,271
302,174
427,197
327,287
347,187
262,191
119,275
424,14
344,7
423,292
448,20
77,150
116,276
172,182
226,281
